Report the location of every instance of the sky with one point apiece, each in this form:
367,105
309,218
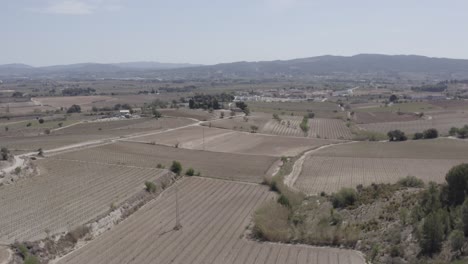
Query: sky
51,32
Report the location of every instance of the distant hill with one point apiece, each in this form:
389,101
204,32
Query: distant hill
362,66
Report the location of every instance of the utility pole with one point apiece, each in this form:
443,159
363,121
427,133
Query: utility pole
203,137
177,226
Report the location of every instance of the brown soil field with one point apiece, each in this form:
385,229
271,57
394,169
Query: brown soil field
440,121
241,124
321,109
86,102
87,131
65,195
365,163
227,166
197,114
451,104
222,140
318,128
376,117
213,231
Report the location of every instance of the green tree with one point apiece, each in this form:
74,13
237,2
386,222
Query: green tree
432,234
190,172
396,135
431,133
393,98
456,179
74,109
176,167
464,217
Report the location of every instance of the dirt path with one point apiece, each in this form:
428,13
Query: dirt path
5,255
291,178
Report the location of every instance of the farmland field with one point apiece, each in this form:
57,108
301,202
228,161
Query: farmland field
213,228
321,109
222,140
376,117
197,114
319,128
440,121
348,165
403,107
65,195
227,166
88,131
85,102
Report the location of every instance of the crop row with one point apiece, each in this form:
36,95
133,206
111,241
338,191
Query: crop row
329,174
213,224
318,128
65,195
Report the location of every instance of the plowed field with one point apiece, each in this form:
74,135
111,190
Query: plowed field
214,216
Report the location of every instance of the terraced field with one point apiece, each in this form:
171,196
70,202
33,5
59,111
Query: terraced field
223,140
322,128
442,122
214,216
211,164
66,195
365,163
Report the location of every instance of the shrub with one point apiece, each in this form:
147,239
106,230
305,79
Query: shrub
17,170
28,124
345,197
4,152
198,173
78,233
396,135
271,222
60,124
41,121
453,131
457,240
74,109
156,114
150,187
47,131
310,115
411,181
190,172
430,133
284,201
160,166
395,251
176,167
418,136
253,129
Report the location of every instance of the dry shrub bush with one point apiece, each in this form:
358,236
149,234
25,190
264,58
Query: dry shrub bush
77,233
271,222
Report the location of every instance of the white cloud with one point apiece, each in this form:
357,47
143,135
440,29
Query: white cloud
79,7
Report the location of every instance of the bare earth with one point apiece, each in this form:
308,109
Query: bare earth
210,164
223,140
214,216
65,195
348,165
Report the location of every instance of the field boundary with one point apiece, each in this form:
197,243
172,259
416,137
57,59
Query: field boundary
291,178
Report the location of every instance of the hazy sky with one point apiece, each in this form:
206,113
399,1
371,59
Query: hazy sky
47,32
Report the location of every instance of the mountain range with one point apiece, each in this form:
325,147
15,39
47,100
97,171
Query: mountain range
358,66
